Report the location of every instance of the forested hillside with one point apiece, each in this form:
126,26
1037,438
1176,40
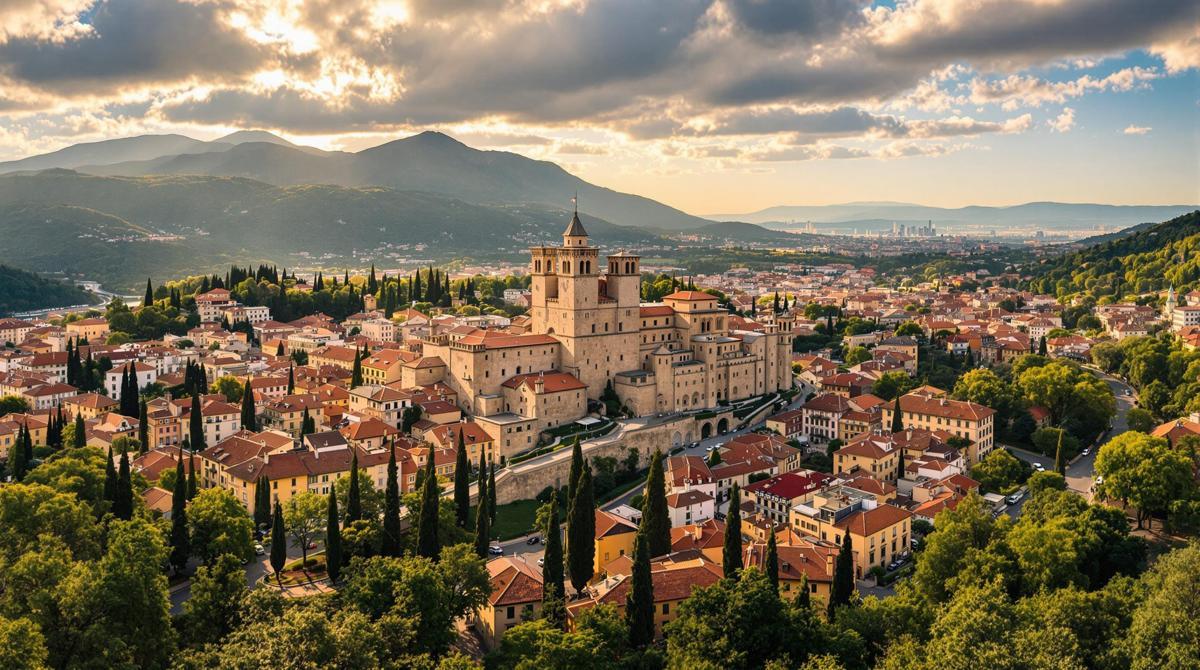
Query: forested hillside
1147,261
21,291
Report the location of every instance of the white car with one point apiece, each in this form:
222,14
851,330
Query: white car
496,550
541,561
1039,467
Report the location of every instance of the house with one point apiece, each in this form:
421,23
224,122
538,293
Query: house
93,330
614,539
516,596
687,507
789,424
1173,431
878,531
874,454
801,562
673,581
775,496
478,443
926,410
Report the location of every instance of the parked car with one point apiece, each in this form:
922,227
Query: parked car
496,550
1039,467
1086,452
312,545
533,539
1014,498
541,561
259,550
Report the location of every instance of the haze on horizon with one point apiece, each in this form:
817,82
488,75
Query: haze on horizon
713,106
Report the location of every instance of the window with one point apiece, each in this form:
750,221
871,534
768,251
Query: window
666,608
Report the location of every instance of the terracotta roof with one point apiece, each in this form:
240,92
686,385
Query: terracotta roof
687,498
656,310
869,522
943,407
690,296
513,582
552,381
790,485
608,524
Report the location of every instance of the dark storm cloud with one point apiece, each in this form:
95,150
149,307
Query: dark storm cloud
811,18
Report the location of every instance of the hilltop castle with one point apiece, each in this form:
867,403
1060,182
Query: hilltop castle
588,330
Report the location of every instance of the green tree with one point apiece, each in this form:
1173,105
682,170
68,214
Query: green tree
892,385
79,436
857,355
1165,630
181,548
1144,472
249,417
278,541
483,531
390,540
123,495
214,608
732,551
998,472
1140,420
771,561
333,538
492,492
22,645
305,519
554,595
196,425
655,517
581,531
639,600
354,510
841,592
262,500
428,544
232,389
462,482
219,524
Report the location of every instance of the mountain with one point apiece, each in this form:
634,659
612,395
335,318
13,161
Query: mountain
1034,215
119,230
140,148
1149,260
21,291
431,162
745,232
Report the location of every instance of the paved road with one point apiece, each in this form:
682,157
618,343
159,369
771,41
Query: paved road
1082,472
261,565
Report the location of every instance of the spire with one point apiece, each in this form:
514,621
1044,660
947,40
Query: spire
575,228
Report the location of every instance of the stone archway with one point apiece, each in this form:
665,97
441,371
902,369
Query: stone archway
723,426
676,439
706,431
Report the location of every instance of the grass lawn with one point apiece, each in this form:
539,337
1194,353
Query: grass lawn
516,518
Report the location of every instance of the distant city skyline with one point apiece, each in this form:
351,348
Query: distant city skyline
712,106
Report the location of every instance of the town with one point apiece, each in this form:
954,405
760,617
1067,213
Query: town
589,456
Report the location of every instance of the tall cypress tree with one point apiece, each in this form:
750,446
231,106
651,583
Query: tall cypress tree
639,601
803,598
110,478
80,439
123,500
333,538
483,527
180,542
772,561
581,532
897,420
356,374
576,470
731,554
353,494
1060,461
249,418
655,517
492,492
462,482
291,380
554,595
196,424
427,525
262,501
390,545
17,462
307,425
148,299
193,487
843,576
278,541
1042,345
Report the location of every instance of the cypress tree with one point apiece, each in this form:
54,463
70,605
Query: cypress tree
772,561
196,424
843,576
291,380
307,425
655,517
581,532
80,439
391,509
123,500
356,375
804,599
193,489
180,542
1060,463
639,601
483,527
732,552
18,463
492,492
27,445
143,426
149,297
262,501
353,494
427,524
897,421
554,602
110,477
249,419
278,541
462,482
576,470
333,539
1042,345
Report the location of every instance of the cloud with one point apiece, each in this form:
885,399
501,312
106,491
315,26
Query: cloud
809,18
1025,90
1064,122
1136,130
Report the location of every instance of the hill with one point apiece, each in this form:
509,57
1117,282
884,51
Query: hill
745,232
431,162
1043,215
1147,261
120,229
21,291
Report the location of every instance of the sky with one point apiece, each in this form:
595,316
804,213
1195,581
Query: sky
713,106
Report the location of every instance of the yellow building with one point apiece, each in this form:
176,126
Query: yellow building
516,597
614,539
924,409
878,532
